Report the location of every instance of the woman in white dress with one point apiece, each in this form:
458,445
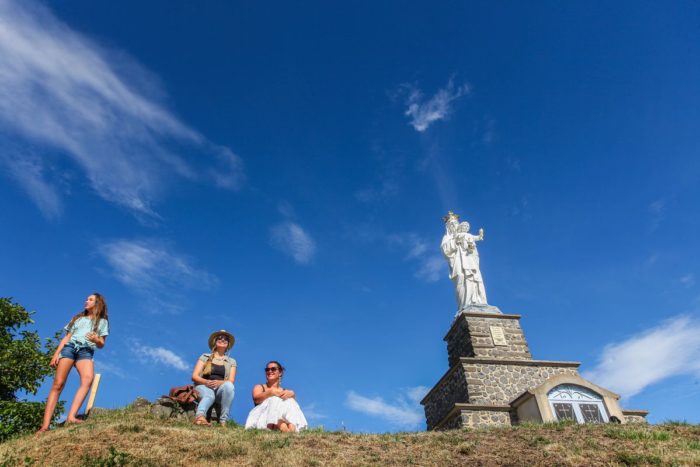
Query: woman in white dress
275,407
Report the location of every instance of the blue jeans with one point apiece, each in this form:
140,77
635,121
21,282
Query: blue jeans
223,395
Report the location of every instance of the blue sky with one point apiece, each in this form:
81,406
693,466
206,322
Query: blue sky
281,171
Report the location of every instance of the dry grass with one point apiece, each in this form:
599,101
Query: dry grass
131,437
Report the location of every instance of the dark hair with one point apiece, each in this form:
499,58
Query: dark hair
279,365
101,306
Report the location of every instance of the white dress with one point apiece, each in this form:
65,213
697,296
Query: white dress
275,410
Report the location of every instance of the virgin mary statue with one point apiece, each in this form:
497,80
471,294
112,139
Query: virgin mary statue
459,247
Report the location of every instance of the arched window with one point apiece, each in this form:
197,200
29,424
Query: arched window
572,402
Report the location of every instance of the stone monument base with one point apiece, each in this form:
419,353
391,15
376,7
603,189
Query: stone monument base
493,380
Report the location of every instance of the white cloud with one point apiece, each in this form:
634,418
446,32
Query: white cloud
158,355
424,112
78,102
31,174
657,209
150,265
688,280
670,349
432,268
293,240
102,366
415,245
405,412
155,272
312,413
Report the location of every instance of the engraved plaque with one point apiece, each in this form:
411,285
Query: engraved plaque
498,336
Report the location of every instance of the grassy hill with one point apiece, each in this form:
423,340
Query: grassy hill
131,436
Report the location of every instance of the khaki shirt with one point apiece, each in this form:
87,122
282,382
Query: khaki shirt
229,362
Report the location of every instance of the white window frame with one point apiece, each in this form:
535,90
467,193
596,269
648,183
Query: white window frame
575,395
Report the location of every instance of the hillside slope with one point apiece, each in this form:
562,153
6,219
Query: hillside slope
133,437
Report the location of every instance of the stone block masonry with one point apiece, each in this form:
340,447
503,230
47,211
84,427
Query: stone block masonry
493,379
490,365
471,335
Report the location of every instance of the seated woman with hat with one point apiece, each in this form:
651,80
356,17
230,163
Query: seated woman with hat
214,375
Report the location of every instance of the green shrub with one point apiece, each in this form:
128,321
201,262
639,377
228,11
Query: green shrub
24,364
22,417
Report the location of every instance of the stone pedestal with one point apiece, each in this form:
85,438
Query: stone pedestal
490,365
493,379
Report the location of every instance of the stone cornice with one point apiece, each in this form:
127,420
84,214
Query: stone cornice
512,361
641,413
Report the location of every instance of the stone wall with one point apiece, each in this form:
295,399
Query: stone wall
470,336
451,389
501,382
487,382
482,419
635,416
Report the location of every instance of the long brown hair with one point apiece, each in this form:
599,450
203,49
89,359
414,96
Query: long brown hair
207,366
101,313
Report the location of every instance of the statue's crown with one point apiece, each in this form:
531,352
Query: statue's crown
450,216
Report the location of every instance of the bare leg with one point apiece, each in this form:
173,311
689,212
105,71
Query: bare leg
86,370
59,382
284,427
292,427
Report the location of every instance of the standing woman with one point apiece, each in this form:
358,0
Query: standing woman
214,375
275,408
85,332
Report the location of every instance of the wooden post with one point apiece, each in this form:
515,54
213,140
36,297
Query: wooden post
93,393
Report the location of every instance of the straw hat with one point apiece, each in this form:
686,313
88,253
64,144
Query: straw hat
215,334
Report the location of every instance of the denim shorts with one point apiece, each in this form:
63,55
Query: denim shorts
81,353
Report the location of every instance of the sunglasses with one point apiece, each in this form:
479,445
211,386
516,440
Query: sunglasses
222,338
272,370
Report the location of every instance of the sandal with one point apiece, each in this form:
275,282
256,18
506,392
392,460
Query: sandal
201,420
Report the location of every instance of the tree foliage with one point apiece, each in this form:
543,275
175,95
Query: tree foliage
23,363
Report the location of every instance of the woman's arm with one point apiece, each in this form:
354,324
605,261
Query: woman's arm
98,340
196,378
57,353
232,375
287,394
259,395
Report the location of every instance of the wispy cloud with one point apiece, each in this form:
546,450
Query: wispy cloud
32,175
291,239
670,349
388,173
102,366
404,412
688,280
657,210
158,355
149,264
312,412
424,112
79,103
431,266
151,269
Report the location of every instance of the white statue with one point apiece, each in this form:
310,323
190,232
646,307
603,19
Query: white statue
459,247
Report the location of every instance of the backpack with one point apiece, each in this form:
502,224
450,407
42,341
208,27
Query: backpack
184,395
